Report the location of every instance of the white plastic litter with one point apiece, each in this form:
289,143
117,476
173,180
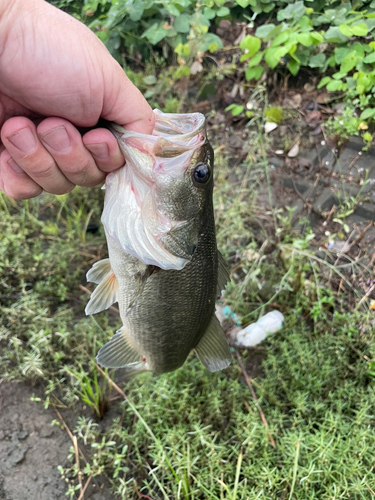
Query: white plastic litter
255,333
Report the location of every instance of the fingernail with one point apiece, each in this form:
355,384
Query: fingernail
24,140
14,166
57,139
99,150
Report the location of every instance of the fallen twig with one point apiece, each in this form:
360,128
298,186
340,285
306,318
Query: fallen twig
85,487
248,382
365,296
77,452
79,474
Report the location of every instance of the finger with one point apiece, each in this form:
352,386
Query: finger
20,138
14,182
64,143
104,148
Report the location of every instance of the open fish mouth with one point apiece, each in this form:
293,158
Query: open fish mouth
173,133
135,215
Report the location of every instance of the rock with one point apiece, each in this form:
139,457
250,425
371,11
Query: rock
325,201
365,211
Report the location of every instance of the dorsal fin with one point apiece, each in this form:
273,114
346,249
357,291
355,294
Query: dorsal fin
105,294
213,349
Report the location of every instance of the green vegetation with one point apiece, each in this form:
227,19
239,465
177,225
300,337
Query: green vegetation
331,42
190,434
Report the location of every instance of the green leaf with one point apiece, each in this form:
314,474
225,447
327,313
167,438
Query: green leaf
360,48
317,61
367,113
209,13
150,79
242,3
223,11
265,30
349,62
281,38
292,11
305,39
370,23
341,53
235,108
367,137
210,42
293,67
172,9
135,11
255,60
272,56
250,44
317,37
334,85
359,29
181,23
254,73
274,114
334,35
370,58
324,81
345,30
155,33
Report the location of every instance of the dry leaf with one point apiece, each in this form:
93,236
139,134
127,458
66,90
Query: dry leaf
294,150
269,126
196,67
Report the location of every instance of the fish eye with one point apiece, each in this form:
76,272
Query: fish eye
201,173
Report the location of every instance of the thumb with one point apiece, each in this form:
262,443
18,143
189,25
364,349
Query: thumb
124,104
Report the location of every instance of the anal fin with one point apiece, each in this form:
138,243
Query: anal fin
104,295
213,349
118,352
222,274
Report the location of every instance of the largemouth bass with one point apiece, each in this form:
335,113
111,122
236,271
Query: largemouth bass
164,269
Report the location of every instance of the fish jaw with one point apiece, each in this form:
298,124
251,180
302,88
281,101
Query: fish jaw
133,215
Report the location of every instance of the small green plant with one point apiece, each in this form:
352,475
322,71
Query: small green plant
90,390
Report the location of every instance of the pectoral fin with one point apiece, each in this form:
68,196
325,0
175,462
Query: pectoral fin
98,271
105,294
118,352
222,274
213,349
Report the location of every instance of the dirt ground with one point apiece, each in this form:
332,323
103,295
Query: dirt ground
31,449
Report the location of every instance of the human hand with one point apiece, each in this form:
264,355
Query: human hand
55,74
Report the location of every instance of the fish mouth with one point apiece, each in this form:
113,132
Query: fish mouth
173,134
172,126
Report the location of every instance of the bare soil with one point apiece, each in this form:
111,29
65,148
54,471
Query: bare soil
31,449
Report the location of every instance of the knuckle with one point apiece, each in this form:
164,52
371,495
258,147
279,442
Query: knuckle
42,170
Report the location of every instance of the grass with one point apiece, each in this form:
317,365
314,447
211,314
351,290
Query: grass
190,434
